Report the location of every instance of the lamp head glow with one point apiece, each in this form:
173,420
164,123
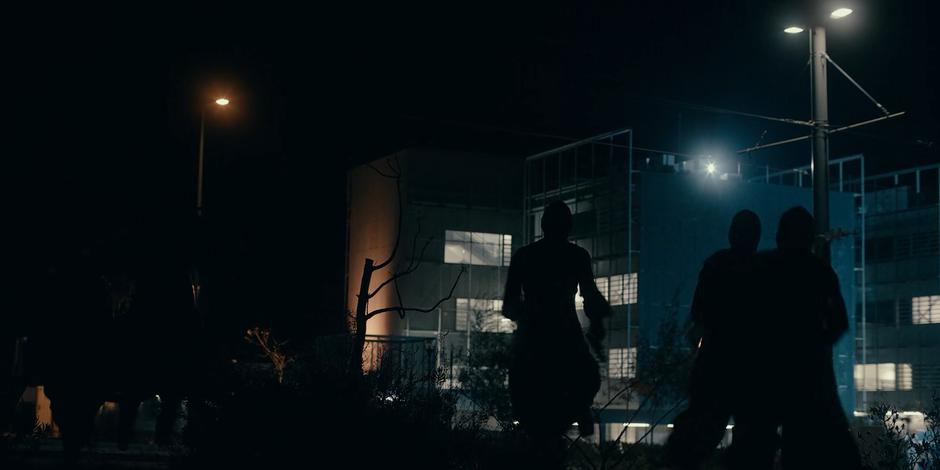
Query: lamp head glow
222,101
840,13
793,30
711,168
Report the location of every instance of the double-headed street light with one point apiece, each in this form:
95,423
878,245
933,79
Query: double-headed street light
200,168
820,120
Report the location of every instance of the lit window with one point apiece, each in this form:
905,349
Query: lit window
485,249
925,309
482,315
886,376
905,377
619,289
621,363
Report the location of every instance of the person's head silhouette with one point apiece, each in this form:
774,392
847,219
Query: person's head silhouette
744,233
556,221
796,232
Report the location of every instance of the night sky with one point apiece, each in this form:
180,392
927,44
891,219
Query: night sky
106,109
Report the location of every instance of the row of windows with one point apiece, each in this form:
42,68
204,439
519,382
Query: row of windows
477,248
925,309
621,363
619,289
482,315
886,376
901,246
486,315
921,310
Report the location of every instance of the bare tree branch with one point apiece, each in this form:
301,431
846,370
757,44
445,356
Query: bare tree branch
649,430
646,399
414,242
270,348
397,176
395,172
573,443
410,269
380,172
401,303
396,168
629,385
402,310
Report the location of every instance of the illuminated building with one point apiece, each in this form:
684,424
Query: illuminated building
649,220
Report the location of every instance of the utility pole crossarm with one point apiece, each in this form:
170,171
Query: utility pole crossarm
831,131
847,76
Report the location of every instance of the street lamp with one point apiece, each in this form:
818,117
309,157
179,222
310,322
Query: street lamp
195,279
820,121
840,13
200,169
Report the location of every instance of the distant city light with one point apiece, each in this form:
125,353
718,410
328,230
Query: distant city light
793,30
711,168
222,101
841,13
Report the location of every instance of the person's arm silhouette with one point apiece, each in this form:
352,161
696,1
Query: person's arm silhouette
513,297
701,308
835,316
596,307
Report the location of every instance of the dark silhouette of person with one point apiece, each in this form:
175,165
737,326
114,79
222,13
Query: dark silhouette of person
553,376
807,316
157,334
721,306
73,342
16,307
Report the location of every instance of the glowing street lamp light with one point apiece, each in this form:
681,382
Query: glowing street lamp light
711,168
793,30
200,169
840,13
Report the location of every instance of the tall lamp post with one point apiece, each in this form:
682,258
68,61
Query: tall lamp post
200,178
820,119
200,168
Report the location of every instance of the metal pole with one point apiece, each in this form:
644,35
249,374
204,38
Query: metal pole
820,138
201,162
630,238
864,217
